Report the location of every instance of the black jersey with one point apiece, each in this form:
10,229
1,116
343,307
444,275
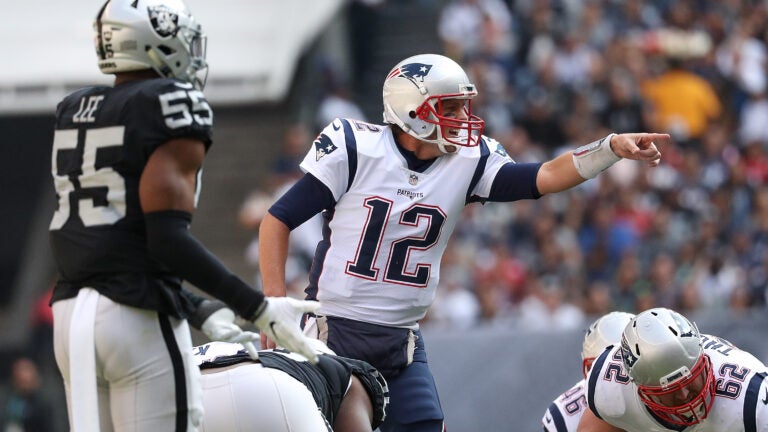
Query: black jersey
104,137
327,381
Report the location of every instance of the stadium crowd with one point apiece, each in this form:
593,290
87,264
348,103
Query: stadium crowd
691,235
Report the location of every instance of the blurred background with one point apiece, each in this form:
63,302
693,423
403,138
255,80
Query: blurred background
520,281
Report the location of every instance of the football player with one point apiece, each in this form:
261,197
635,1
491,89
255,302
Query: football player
280,391
391,196
666,376
564,413
126,164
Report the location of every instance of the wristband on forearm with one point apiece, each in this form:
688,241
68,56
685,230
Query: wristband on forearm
201,313
595,157
170,242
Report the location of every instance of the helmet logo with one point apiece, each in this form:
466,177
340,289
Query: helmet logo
323,146
164,20
626,354
411,71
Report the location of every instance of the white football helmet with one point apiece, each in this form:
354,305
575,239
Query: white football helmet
605,331
413,95
663,355
151,34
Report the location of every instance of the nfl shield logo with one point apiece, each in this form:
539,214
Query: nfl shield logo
413,179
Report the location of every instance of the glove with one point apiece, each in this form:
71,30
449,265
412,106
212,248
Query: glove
220,326
279,320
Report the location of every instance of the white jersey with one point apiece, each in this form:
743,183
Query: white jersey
564,413
741,395
379,261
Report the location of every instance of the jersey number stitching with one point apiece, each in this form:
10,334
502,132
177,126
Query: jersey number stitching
177,110
99,193
730,388
400,249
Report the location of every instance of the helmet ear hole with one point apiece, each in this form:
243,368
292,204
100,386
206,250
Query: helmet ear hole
412,114
166,49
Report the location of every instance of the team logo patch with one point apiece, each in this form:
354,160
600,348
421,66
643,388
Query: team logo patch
164,20
413,179
323,146
497,147
412,71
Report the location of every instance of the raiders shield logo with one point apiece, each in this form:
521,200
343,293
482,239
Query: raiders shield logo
164,20
413,179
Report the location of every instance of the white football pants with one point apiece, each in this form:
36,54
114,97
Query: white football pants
125,369
250,397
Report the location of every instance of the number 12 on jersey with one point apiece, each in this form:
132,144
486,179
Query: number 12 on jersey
399,251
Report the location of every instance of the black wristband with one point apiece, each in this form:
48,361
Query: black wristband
205,309
170,243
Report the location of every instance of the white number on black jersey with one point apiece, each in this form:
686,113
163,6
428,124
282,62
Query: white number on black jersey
177,110
97,185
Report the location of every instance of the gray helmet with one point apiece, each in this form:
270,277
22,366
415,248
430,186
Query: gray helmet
605,331
415,86
663,355
150,34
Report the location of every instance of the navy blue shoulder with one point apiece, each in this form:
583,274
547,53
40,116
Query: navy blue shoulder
593,376
557,418
750,402
351,143
479,170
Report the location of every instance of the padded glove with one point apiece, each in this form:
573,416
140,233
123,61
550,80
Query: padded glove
279,321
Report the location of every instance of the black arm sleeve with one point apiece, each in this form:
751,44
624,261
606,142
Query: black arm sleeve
170,242
203,308
515,182
308,197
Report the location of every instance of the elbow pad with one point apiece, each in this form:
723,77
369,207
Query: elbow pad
170,243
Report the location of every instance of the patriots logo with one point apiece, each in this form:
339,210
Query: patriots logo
164,20
497,147
626,354
323,146
412,71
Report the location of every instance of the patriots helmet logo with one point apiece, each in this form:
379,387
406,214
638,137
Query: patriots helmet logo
164,20
627,355
412,71
323,146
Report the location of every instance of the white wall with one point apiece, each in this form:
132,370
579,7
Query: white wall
253,47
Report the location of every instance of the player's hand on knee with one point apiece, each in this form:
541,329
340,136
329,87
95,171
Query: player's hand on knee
279,321
220,326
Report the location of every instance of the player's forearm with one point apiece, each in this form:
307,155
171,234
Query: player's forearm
273,253
170,243
558,175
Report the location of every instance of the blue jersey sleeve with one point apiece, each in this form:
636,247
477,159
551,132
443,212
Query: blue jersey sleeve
308,197
515,182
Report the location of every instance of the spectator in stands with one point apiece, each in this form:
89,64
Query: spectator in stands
469,27
685,103
26,409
